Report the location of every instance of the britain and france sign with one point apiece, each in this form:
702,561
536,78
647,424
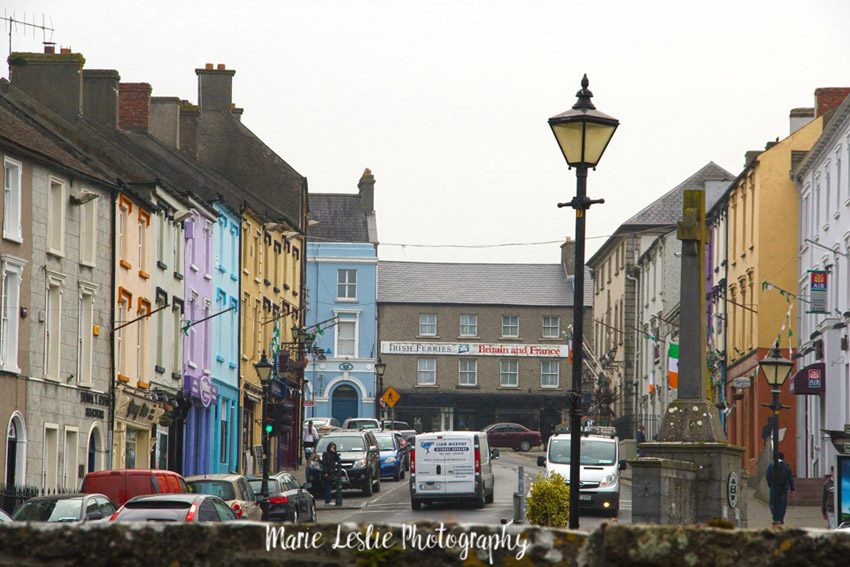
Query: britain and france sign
475,349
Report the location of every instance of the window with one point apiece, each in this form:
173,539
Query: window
176,239
12,200
468,325
161,236
144,222
141,340
346,284
88,233
256,254
222,240
130,449
428,324
223,441
160,333
346,337
84,333
70,475
426,372
53,325
817,226
468,375
510,325
123,310
549,374
509,374
207,248
177,343
234,253
551,327
193,330
12,270
56,217
828,193
207,338
50,457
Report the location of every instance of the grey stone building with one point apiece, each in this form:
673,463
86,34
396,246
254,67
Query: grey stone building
56,307
467,345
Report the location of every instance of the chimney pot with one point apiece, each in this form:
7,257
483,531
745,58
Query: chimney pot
49,47
208,66
65,50
220,66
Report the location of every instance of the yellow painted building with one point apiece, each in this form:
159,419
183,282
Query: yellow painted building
271,295
762,246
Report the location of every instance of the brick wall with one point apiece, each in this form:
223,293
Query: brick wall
134,106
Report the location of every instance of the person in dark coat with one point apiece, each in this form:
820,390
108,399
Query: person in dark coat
779,482
828,503
330,461
640,438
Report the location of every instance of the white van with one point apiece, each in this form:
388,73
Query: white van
600,468
452,465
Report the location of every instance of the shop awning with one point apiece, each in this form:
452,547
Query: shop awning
810,381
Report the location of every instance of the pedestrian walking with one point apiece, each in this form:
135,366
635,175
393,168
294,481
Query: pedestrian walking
309,436
330,461
828,504
640,437
780,481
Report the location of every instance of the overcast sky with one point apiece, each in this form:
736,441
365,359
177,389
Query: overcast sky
447,101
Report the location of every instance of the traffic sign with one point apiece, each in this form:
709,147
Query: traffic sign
391,397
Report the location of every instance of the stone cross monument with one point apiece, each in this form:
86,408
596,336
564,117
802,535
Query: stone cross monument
690,473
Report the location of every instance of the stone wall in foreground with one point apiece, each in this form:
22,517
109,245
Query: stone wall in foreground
245,543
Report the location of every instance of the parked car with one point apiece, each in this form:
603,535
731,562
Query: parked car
392,451
65,508
324,425
4,517
360,459
122,484
361,423
513,435
452,466
233,489
175,508
287,501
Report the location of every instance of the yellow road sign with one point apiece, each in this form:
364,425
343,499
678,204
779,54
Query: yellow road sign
391,397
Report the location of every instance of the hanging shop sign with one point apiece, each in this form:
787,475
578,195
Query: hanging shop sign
810,381
475,349
818,291
203,389
137,409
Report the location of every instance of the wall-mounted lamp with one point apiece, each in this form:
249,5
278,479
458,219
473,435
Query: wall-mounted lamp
180,216
24,312
83,196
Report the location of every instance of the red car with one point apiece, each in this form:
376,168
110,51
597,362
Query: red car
512,435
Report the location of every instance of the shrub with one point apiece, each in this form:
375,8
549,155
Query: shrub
549,503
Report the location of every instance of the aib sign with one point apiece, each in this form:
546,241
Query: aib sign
818,291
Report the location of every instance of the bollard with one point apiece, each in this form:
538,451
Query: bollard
520,515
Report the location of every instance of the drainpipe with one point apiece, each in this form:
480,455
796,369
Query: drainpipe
635,354
112,374
240,402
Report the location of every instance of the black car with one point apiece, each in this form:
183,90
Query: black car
65,508
360,459
287,501
175,508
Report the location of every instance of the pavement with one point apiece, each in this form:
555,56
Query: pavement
758,514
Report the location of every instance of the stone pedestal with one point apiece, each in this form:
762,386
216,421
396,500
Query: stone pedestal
664,488
714,464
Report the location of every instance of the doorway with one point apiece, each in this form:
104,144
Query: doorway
344,403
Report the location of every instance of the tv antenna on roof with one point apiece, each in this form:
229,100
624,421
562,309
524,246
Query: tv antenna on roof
12,24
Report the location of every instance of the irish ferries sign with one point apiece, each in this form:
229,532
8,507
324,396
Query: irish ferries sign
475,349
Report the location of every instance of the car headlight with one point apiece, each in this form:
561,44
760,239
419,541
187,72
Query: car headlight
390,460
360,463
609,480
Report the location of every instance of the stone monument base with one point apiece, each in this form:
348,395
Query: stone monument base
688,482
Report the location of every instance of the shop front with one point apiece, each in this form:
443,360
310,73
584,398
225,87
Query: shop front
203,394
136,414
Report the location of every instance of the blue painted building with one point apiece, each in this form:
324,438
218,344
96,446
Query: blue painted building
342,256
224,440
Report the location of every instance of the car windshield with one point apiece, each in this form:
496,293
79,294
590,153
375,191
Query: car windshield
221,488
257,486
593,452
153,511
319,422
65,510
348,443
385,442
489,427
361,423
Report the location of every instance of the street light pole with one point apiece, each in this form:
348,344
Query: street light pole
264,370
582,134
775,370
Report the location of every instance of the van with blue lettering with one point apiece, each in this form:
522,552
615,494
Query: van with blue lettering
452,466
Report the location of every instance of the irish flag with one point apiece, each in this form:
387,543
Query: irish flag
651,381
673,366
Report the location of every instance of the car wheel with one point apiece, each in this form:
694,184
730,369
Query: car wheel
480,500
312,513
415,504
401,475
490,496
525,446
367,485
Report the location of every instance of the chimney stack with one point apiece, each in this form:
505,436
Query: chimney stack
165,120
800,117
568,256
827,98
55,80
100,96
189,128
366,185
134,106
215,88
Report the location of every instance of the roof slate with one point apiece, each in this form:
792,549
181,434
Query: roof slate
478,284
340,218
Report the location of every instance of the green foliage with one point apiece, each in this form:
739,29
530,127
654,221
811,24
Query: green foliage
549,503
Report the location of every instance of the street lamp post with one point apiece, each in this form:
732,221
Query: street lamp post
775,370
264,371
582,134
380,368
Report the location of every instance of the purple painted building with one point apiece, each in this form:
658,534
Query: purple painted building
197,344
